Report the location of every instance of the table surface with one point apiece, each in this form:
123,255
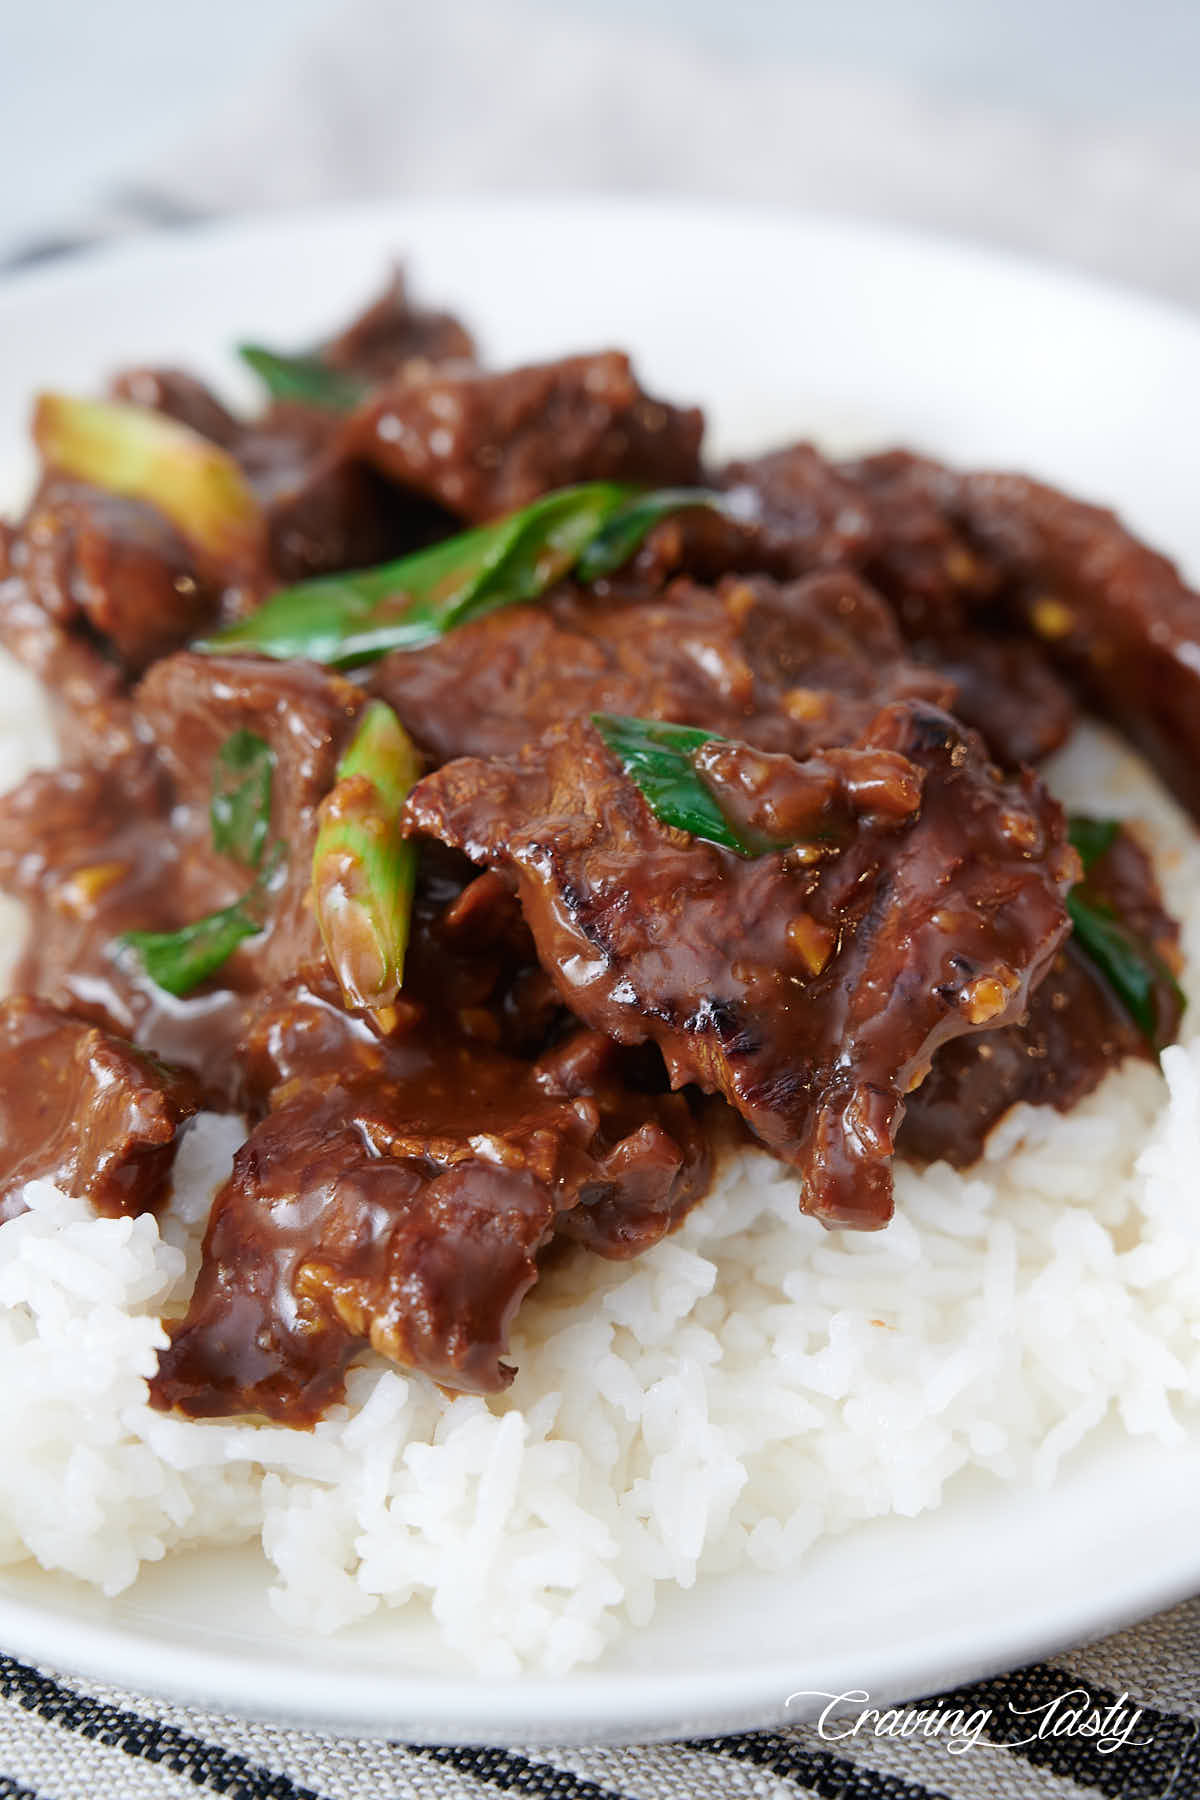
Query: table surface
1064,127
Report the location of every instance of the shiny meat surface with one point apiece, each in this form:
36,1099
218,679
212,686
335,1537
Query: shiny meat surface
481,444
111,570
1076,1031
86,688
1111,613
800,511
403,1201
793,511
391,337
104,850
85,1111
811,987
326,510
394,337
919,557
471,971
181,397
786,666
1011,557
1005,689
788,513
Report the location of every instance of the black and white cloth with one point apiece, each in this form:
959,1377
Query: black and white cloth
62,1740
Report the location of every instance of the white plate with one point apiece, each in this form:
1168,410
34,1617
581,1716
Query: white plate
782,328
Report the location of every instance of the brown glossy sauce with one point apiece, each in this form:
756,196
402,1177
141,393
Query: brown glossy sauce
809,987
788,666
85,1111
1075,1032
402,1195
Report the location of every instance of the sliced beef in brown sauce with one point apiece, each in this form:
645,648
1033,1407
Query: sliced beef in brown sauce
1076,1031
471,970
948,599
793,511
93,853
407,1209
471,962
101,851
84,1110
919,557
326,511
324,508
482,444
84,687
1002,556
1113,615
392,336
1007,691
111,570
786,666
89,850
785,514
810,987
95,588
179,396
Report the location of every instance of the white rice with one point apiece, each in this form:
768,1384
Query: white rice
745,1388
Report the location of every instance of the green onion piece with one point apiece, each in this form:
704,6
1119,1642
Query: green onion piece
343,620
625,529
1130,966
1091,837
364,869
1133,969
142,455
241,797
658,759
180,960
304,379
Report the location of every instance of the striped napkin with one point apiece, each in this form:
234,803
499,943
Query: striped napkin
1118,1718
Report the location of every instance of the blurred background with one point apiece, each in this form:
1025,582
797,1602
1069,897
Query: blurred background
1065,128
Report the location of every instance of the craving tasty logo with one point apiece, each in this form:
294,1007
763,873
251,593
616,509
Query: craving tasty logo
1073,1714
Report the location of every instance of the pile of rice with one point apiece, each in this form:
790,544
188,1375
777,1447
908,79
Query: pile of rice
745,1388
